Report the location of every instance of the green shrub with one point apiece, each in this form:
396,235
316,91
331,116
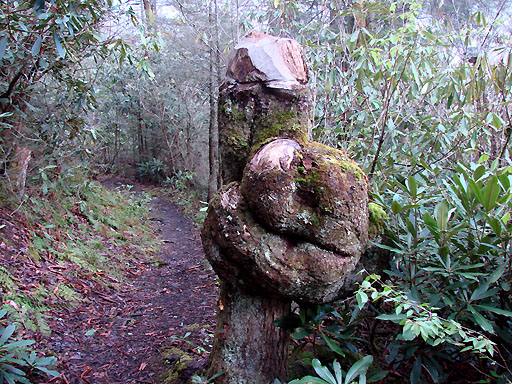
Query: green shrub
153,170
17,361
451,265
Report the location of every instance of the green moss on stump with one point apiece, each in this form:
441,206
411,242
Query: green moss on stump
340,159
315,171
286,124
233,112
320,195
378,219
238,143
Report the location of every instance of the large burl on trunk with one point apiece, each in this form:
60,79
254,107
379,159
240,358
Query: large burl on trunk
293,222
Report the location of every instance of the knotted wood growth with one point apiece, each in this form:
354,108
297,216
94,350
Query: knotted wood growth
293,221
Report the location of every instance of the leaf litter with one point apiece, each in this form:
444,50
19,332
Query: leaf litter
117,328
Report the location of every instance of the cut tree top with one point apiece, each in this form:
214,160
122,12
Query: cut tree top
276,61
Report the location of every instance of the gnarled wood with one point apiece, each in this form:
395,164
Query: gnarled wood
292,223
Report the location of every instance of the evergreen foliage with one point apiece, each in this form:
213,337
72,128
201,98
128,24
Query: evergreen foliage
17,359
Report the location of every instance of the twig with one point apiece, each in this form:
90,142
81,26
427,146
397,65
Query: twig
508,131
492,24
17,209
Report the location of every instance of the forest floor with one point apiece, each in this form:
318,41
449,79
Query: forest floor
124,335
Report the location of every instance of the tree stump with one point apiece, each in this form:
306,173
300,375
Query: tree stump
292,223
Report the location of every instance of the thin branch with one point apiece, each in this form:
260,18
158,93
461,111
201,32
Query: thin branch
494,21
508,132
12,84
384,114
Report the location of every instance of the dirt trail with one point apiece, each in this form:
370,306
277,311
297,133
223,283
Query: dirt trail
156,309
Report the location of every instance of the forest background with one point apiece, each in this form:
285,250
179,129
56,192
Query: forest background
417,92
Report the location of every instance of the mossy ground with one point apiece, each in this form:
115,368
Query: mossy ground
67,234
178,361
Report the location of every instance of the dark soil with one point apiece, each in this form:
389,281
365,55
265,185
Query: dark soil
168,302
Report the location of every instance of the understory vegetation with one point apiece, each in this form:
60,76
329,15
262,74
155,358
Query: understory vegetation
75,237
418,93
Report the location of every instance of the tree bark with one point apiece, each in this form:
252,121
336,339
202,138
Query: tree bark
213,133
23,155
264,254
140,138
248,347
218,82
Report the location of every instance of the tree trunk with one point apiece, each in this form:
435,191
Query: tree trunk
235,21
218,82
23,155
213,134
140,138
248,347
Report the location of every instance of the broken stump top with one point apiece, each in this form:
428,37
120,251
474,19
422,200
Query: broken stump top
275,61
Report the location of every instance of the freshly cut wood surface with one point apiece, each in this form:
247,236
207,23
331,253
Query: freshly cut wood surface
274,60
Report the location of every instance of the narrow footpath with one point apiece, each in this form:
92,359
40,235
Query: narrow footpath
119,336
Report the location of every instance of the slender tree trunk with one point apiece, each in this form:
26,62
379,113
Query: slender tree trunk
188,130
23,156
149,10
115,155
140,124
218,82
16,169
188,144
140,137
213,134
235,29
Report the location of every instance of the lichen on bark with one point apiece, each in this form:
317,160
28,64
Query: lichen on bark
251,115
240,249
